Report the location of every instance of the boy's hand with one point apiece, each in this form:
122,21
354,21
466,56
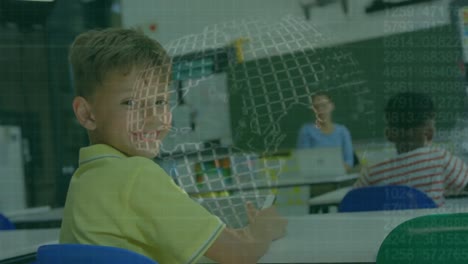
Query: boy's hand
266,224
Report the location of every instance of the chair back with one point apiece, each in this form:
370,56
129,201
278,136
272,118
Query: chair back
389,197
5,223
88,254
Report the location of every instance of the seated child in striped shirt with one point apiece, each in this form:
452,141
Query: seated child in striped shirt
410,119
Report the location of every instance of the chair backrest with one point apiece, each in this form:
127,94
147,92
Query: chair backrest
435,239
88,254
390,197
5,223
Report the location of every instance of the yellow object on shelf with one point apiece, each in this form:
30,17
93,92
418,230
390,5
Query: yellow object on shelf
238,47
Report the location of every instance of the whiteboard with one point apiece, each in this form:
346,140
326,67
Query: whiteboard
209,99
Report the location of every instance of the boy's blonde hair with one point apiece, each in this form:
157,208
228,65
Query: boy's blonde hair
96,53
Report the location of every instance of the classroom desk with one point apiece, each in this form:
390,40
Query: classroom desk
339,238
19,246
282,182
31,210
44,219
325,238
342,238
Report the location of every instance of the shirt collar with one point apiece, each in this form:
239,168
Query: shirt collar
98,151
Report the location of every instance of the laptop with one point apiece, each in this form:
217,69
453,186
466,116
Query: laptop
319,162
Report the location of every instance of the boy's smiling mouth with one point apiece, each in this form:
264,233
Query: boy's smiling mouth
147,135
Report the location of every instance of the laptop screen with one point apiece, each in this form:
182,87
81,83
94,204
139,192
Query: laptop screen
320,162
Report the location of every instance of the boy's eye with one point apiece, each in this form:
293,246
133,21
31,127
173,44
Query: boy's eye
129,102
161,102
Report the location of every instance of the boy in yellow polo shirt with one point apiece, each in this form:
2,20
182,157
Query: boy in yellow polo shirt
119,196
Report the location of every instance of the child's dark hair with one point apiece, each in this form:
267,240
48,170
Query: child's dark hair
409,110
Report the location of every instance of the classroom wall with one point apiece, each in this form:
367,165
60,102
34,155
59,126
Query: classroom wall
175,19
360,83
203,117
36,95
25,102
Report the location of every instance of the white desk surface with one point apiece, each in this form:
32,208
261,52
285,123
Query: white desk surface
297,181
333,197
16,243
55,214
325,238
280,183
316,180
31,210
342,238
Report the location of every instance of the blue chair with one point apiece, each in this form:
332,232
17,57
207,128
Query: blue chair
88,254
5,223
390,197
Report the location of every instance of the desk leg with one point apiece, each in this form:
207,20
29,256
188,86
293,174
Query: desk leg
319,189
314,209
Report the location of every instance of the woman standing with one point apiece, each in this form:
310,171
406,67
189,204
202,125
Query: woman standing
325,133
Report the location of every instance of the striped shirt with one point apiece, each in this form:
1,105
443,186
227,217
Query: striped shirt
431,170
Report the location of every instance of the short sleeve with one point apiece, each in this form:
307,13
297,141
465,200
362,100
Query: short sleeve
166,218
455,173
347,147
303,140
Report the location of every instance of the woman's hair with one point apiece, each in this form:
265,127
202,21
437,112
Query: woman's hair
321,93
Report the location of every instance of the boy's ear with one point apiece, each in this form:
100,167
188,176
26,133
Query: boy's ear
429,132
83,113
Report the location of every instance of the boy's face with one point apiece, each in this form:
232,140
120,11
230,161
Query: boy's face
131,111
